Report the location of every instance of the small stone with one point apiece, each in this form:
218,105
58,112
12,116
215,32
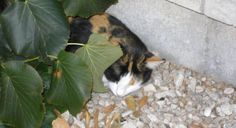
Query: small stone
227,109
234,108
207,111
170,93
71,120
149,88
140,124
164,88
166,121
203,79
181,126
179,80
181,104
152,117
79,124
224,109
190,116
101,102
161,103
196,118
74,126
229,91
192,84
178,93
129,124
199,89
66,115
196,125
214,95
173,106
219,111
127,113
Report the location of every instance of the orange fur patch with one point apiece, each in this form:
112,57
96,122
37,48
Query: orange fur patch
130,66
115,41
154,58
99,21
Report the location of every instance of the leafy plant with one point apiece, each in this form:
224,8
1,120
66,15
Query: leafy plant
36,74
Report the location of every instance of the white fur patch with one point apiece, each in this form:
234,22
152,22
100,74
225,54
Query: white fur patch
123,87
153,64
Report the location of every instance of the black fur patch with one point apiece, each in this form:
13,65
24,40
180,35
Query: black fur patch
3,5
114,72
102,30
80,32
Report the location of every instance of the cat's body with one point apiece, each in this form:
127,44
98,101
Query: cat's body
134,68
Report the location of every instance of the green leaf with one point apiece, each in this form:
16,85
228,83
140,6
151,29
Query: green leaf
20,96
86,8
71,83
99,54
45,71
35,27
4,48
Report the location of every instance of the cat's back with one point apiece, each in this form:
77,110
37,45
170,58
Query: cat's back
108,25
118,33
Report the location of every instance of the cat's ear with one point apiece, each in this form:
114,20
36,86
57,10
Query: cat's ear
153,61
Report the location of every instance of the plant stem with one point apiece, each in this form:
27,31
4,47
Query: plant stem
32,59
79,44
2,66
51,56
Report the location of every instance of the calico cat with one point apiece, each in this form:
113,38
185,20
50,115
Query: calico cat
130,71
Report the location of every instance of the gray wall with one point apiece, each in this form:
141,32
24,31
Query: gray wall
198,34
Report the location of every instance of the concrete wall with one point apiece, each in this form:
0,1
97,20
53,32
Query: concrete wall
198,34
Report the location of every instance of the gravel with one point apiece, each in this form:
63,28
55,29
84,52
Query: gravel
177,98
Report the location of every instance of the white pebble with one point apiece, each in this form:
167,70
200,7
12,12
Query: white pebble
234,108
164,88
199,89
203,79
229,91
129,124
173,106
227,109
179,80
224,109
170,93
180,126
127,113
190,116
149,88
192,84
152,117
140,124
178,93
101,102
66,115
207,111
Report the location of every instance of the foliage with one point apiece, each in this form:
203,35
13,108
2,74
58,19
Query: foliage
97,49
36,74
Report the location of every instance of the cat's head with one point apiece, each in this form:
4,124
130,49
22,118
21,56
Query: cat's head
124,78
147,65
